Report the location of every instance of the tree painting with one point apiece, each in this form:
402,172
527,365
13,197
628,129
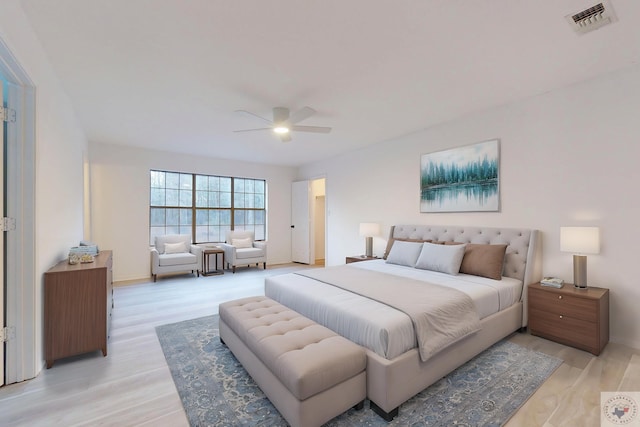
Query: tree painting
461,179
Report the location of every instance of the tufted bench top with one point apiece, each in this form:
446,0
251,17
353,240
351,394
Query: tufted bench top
307,357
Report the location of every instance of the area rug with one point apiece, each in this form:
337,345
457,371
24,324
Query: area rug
216,390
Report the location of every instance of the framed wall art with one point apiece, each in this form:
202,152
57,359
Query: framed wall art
463,179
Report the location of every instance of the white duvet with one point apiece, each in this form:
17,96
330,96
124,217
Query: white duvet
381,328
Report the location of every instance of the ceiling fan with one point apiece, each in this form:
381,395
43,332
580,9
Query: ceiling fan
284,123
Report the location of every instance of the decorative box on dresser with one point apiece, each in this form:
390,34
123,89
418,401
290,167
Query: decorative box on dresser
78,300
571,316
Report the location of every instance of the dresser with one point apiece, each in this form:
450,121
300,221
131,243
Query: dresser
78,300
575,317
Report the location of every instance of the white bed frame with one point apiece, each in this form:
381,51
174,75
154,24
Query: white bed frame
392,382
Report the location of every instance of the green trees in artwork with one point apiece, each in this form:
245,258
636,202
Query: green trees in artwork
437,174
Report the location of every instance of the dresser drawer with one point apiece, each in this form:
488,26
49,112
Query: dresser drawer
577,332
564,305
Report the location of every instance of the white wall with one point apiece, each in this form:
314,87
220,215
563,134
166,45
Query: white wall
568,157
60,144
120,201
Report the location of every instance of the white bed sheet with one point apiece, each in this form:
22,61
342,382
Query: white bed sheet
379,327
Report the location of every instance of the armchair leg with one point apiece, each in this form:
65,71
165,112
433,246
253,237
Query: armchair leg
265,265
155,277
234,269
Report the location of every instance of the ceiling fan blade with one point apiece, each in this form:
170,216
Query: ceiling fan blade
301,114
249,113
285,137
315,129
251,130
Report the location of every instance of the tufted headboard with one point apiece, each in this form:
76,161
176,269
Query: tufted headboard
522,258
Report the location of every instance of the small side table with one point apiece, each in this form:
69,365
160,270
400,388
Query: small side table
358,258
205,261
575,317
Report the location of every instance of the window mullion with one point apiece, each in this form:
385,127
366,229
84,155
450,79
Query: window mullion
233,201
193,208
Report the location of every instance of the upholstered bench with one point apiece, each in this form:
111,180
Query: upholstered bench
309,373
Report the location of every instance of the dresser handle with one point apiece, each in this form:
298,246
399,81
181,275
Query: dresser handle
559,296
561,316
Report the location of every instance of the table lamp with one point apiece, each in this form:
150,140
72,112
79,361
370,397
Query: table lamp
368,230
580,241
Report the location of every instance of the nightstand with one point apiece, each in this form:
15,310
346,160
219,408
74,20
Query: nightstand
358,258
575,317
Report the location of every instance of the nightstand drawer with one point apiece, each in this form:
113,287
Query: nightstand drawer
564,305
577,332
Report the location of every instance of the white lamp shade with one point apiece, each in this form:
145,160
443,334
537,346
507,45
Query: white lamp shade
369,229
580,240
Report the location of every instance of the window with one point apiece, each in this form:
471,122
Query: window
205,206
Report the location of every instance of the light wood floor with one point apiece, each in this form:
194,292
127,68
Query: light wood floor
132,386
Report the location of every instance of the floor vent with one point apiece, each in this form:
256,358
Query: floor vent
592,18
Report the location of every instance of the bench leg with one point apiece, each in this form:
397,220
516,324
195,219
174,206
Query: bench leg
387,416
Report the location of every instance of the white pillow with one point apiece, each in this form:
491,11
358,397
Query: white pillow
404,253
242,243
175,248
442,258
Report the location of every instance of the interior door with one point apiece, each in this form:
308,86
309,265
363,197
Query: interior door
300,222
2,284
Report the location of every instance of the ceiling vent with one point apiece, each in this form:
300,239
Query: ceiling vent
592,18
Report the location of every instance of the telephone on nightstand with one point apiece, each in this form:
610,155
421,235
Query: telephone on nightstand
554,282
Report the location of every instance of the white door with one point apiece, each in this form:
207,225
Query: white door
1,238
300,222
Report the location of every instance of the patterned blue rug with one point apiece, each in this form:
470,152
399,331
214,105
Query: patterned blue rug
216,390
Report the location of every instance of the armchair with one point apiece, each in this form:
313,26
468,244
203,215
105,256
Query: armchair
173,253
241,248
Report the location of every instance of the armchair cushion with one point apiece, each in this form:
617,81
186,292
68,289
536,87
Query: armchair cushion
183,258
175,248
242,243
244,253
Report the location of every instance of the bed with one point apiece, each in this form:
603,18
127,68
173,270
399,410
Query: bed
399,362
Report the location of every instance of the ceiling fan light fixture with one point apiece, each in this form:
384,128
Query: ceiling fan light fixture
281,129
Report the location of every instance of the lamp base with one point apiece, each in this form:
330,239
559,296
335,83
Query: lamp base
580,271
369,246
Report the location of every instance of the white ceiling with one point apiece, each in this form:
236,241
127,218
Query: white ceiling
169,74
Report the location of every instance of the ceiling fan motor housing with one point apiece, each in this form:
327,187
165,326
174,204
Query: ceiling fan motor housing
280,115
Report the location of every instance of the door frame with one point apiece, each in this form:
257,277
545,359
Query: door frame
311,219
314,220
21,296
